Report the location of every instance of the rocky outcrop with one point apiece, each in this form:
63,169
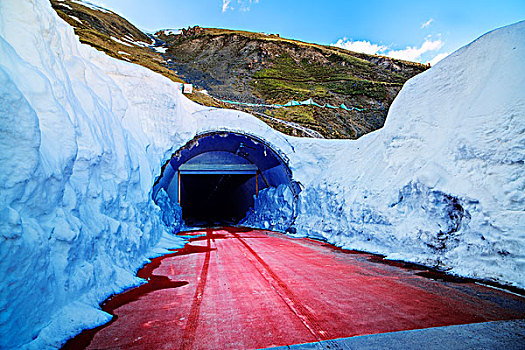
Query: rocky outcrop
192,31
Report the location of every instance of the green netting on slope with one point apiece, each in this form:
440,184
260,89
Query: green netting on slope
293,103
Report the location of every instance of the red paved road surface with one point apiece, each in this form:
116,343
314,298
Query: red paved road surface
232,289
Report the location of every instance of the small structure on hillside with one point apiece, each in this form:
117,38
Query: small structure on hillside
187,88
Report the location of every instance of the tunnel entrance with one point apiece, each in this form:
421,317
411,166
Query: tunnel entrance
216,177
213,199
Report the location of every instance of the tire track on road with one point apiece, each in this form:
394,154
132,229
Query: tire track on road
190,330
289,298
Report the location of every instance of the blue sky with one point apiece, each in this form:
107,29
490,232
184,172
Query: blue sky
423,31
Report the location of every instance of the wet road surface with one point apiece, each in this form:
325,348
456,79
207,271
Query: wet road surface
237,288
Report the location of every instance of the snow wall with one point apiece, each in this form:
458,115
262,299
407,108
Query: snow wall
83,137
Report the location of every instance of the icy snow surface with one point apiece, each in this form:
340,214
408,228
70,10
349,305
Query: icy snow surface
120,41
91,6
160,49
83,137
172,31
273,209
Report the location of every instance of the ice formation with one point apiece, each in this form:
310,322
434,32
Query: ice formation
273,209
171,212
83,137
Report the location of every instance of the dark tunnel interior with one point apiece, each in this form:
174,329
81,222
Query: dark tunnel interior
215,177
214,199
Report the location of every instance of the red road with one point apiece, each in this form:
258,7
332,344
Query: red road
243,289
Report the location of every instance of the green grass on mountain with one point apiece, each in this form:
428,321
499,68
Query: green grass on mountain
287,79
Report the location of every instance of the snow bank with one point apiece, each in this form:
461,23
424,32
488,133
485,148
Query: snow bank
84,137
443,182
171,212
76,219
273,209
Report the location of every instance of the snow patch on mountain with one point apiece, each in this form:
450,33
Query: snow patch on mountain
91,6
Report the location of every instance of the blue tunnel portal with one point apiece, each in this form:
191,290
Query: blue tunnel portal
216,177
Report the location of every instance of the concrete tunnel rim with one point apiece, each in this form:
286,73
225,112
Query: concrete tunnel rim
294,186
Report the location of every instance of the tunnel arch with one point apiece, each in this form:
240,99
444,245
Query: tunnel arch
217,177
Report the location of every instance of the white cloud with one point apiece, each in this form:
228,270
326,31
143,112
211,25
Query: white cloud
427,23
226,5
360,46
410,53
438,58
242,5
245,5
414,53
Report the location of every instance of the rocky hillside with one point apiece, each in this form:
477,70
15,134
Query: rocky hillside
256,68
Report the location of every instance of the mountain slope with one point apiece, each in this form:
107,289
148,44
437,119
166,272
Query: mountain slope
256,68
112,34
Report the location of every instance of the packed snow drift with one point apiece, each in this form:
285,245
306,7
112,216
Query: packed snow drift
84,136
